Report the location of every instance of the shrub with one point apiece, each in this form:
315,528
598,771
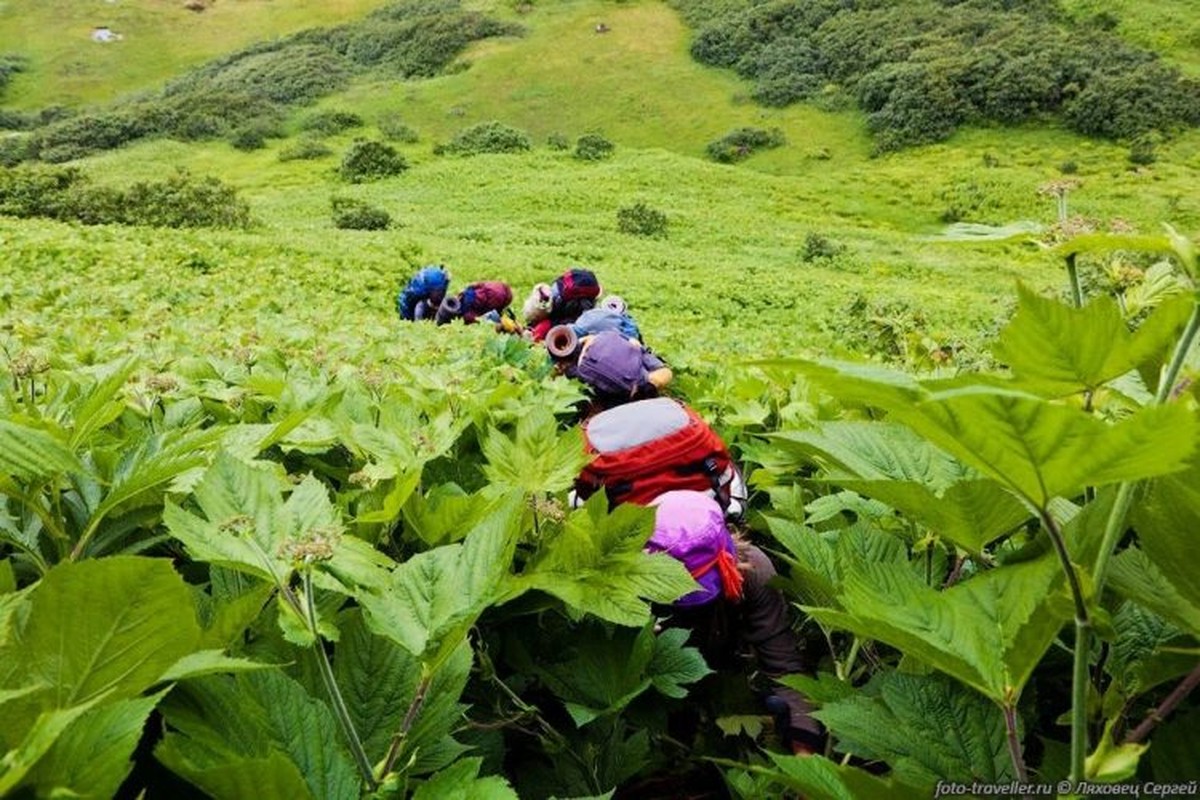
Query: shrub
180,201
304,150
742,143
248,138
486,137
1144,150
15,148
351,214
818,247
329,123
558,141
369,160
9,66
395,129
593,147
970,200
296,74
640,219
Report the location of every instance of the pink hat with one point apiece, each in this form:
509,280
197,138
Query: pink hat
690,527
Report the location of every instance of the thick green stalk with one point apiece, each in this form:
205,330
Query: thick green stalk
1014,746
1073,277
1083,625
335,696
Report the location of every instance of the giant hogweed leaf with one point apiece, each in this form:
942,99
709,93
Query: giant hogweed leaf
1168,522
865,384
245,523
28,452
606,673
1056,349
928,728
110,627
91,757
223,727
989,631
443,514
596,565
818,778
537,458
37,741
1135,576
379,681
812,559
892,464
461,781
1042,451
100,403
430,601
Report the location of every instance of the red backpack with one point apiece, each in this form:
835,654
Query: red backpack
648,447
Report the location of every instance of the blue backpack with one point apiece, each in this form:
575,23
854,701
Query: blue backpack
430,281
597,320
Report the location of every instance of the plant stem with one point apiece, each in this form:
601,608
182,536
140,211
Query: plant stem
1014,746
401,734
1164,708
335,695
1083,624
1073,278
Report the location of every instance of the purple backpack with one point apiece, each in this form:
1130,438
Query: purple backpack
690,527
615,366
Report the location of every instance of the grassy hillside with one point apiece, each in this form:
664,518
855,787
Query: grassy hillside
731,277
160,40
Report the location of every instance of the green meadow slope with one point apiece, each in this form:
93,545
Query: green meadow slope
732,275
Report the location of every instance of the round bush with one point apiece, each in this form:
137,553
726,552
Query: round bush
369,160
593,147
351,214
487,137
640,219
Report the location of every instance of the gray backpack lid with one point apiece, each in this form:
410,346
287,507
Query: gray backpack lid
633,424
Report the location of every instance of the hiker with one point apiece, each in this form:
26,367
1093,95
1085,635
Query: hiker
423,294
559,303
477,301
734,608
616,369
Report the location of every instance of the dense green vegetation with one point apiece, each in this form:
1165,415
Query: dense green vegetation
259,538
920,70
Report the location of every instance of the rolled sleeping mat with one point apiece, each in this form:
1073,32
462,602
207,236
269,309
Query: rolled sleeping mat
449,309
561,341
614,303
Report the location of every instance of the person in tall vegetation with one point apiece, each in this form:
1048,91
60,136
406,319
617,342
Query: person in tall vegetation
734,608
561,302
423,294
482,300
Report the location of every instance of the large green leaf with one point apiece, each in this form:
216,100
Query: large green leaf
1041,450
28,452
604,673
892,464
91,757
101,403
537,458
596,564
1056,349
110,627
462,782
1168,526
818,778
222,727
40,737
380,681
928,728
989,631
246,525
431,600
1141,580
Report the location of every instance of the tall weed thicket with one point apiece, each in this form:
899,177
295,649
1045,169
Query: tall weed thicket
921,69
253,89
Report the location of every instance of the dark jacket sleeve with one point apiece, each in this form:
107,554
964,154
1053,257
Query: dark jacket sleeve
767,627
